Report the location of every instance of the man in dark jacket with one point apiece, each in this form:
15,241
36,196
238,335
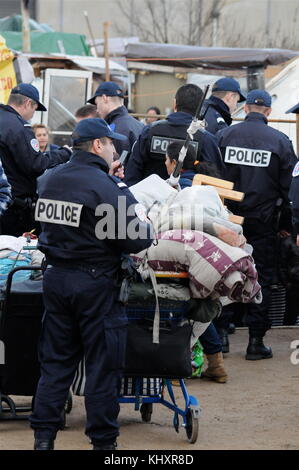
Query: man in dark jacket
148,153
89,220
21,157
259,160
226,93
109,99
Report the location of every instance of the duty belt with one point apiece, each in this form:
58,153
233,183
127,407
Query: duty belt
24,203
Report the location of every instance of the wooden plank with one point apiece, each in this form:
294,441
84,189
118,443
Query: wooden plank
236,219
211,181
181,275
230,194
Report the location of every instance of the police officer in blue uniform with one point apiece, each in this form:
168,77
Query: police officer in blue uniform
294,197
109,99
226,93
21,158
259,160
89,219
148,153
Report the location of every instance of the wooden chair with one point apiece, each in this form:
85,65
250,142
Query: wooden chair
225,191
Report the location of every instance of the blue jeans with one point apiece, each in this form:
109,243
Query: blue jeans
210,340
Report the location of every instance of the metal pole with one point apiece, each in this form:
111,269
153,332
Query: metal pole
61,15
25,25
90,33
268,22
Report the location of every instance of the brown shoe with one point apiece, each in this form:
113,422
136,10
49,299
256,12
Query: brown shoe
215,370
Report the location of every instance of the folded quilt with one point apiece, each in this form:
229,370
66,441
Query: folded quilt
215,268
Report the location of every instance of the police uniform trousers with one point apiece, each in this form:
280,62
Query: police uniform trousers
82,317
262,236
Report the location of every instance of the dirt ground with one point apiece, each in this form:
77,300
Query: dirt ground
256,409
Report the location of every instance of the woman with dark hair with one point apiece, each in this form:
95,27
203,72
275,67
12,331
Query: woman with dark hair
191,166
151,112
210,340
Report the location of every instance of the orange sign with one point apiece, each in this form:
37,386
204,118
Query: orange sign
7,72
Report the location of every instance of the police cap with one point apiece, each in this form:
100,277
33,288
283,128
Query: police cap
94,128
31,92
108,89
228,84
259,98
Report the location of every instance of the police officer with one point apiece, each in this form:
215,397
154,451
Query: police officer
148,154
109,99
5,192
89,218
259,160
21,158
226,93
294,197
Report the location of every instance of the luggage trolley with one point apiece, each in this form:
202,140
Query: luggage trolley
21,310
143,392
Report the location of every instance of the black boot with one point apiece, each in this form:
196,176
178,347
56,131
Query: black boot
223,333
257,350
44,444
98,446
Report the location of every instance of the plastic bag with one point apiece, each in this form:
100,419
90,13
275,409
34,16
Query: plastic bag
197,359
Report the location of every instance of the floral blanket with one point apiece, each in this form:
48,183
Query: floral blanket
215,268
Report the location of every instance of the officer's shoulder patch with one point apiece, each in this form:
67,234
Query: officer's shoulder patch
296,170
220,119
34,144
27,125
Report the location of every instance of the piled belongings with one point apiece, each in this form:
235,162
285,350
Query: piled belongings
13,255
194,235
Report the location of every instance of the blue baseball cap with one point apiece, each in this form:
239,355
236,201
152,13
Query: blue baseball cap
228,84
94,128
108,89
259,98
31,92
293,109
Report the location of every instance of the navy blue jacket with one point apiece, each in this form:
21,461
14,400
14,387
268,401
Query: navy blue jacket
146,160
75,228
5,191
19,152
294,197
217,116
120,121
186,178
259,160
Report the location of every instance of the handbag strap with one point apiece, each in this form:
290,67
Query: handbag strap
156,325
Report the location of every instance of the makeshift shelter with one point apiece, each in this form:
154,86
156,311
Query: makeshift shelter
43,38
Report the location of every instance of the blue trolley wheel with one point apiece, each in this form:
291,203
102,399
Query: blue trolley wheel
191,426
146,410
